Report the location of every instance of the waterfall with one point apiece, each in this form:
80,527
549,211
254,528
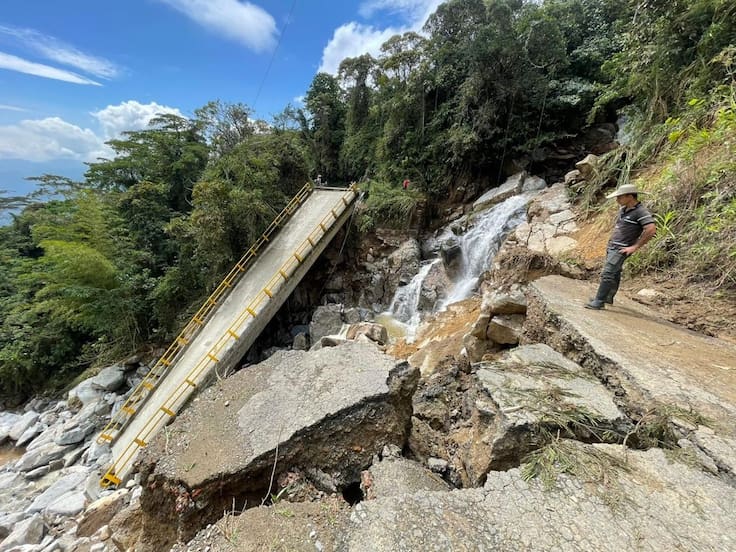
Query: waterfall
480,244
405,305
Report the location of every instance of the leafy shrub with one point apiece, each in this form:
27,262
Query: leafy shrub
387,206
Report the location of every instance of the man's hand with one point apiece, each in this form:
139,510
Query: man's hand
646,235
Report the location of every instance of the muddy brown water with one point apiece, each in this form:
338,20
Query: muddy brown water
8,454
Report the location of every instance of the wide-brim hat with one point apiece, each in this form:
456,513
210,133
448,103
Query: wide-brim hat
624,190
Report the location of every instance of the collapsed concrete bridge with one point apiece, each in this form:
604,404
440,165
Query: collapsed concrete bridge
229,321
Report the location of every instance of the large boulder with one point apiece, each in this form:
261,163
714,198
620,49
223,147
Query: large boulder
511,187
326,320
330,410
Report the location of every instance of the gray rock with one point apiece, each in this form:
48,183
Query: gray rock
8,522
301,342
326,320
40,456
72,457
475,347
511,187
76,433
374,332
328,341
68,483
511,301
9,479
451,253
352,316
30,434
404,263
7,421
67,505
28,531
437,465
399,476
588,166
25,422
49,435
100,512
85,392
110,378
38,473
505,329
553,200
533,184
573,176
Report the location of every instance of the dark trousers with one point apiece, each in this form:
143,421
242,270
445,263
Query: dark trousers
611,274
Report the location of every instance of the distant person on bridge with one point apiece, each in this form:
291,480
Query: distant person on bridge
318,180
634,227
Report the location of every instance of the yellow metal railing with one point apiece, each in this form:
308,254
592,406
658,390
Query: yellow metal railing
176,398
128,410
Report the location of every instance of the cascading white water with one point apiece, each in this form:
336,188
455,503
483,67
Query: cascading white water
480,244
405,305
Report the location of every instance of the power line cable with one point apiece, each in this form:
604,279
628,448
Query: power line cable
273,55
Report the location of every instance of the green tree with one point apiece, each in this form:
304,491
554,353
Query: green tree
172,152
357,153
323,124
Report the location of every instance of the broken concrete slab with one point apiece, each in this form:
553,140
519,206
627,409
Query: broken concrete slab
645,359
662,506
528,396
646,501
654,367
331,409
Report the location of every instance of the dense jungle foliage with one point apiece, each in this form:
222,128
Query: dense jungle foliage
122,258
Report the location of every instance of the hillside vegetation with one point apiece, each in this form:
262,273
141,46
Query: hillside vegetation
122,258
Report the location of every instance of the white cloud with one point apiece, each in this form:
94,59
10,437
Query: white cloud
352,40
47,139
14,63
240,21
60,52
130,115
11,108
53,138
355,39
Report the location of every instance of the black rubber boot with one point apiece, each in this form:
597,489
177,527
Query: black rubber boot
605,289
609,298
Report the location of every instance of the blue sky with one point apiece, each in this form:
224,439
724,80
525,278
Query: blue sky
76,73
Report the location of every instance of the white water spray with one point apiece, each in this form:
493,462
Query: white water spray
480,244
405,305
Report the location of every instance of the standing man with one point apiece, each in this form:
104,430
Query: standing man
634,227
